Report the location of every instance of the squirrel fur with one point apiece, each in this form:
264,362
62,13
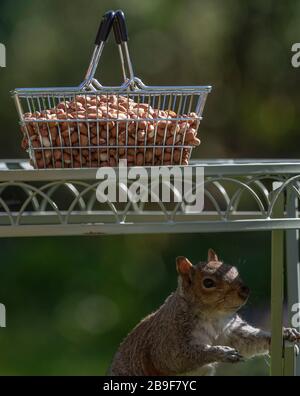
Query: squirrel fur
197,326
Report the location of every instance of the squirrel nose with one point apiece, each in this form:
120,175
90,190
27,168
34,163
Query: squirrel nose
244,291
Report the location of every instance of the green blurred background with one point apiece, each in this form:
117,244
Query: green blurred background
70,301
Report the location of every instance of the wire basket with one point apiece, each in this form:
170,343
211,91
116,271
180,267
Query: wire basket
93,125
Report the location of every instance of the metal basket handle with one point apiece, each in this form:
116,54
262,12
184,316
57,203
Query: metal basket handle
101,37
121,37
105,27
117,21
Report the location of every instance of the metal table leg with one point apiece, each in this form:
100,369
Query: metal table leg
293,278
277,284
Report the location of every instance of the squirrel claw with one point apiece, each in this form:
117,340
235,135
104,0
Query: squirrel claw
290,334
236,358
231,355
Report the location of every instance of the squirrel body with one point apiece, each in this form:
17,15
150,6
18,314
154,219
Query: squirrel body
196,328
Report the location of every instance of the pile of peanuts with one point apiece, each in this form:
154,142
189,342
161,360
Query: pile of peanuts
107,128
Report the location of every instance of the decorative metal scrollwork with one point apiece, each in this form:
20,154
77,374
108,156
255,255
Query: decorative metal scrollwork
67,201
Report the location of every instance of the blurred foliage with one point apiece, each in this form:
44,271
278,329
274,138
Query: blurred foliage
71,300
243,49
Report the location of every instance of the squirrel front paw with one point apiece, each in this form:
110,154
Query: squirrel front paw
229,355
290,334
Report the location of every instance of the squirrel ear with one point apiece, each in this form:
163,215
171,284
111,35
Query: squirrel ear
183,265
212,255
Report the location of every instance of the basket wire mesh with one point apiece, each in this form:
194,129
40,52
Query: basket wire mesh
93,125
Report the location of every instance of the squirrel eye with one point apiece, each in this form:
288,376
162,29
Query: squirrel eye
208,283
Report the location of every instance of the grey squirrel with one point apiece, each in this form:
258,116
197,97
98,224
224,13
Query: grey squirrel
197,326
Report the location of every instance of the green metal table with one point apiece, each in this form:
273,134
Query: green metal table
240,195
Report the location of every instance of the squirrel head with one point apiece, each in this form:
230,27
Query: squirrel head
212,287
